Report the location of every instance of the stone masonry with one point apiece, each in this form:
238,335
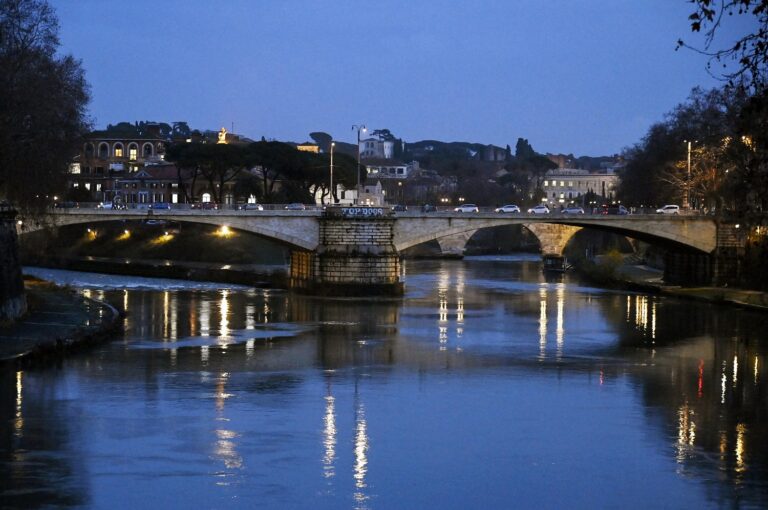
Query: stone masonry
355,256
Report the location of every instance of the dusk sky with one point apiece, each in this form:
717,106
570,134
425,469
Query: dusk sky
585,77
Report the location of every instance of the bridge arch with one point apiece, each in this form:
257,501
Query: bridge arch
693,233
295,231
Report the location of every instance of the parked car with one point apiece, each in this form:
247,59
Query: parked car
295,207
539,209
428,208
508,209
573,210
669,209
106,205
160,205
467,208
251,207
614,209
399,208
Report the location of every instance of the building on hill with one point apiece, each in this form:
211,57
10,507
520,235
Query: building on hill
378,168
113,157
374,148
119,150
308,147
561,160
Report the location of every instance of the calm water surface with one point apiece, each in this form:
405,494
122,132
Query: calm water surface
485,387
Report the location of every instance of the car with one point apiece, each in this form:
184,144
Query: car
539,209
614,209
106,205
251,207
428,208
399,208
508,209
160,205
467,208
295,207
669,209
573,210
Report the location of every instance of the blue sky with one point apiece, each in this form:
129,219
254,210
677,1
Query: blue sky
576,76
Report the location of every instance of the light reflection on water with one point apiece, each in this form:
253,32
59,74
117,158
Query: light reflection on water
487,386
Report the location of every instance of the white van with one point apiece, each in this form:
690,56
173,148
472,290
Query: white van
669,209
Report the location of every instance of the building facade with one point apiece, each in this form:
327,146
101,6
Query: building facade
568,185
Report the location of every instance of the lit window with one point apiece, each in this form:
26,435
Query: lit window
118,151
570,184
133,153
98,186
88,186
546,183
562,183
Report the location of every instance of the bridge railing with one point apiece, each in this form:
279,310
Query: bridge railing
415,210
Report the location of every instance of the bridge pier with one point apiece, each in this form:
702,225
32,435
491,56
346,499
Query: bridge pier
719,268
355,256
453,246
552,237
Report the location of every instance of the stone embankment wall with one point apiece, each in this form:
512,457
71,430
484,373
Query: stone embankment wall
13,303
356,256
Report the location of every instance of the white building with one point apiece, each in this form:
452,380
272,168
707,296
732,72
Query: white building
374,148
388,169
566,185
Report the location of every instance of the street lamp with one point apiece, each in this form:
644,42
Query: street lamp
359,127
687,196
333,144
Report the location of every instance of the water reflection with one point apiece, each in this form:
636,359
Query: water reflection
347,401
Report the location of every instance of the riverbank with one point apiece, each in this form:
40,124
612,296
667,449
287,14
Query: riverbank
649,279
58,321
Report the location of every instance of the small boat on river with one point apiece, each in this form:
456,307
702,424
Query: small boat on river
555,263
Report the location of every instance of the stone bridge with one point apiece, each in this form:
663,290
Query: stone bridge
363,244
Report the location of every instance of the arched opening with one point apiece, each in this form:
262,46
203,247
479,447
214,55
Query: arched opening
117,150
147,150
133,151
103,150
88,150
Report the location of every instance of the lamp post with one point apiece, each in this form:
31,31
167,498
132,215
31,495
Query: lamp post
359,127
333,144
687,195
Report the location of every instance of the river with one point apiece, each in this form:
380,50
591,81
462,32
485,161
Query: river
486,386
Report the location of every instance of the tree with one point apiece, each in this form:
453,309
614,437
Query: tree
323,140
384,135
43,100
749,52
218,164
657,167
